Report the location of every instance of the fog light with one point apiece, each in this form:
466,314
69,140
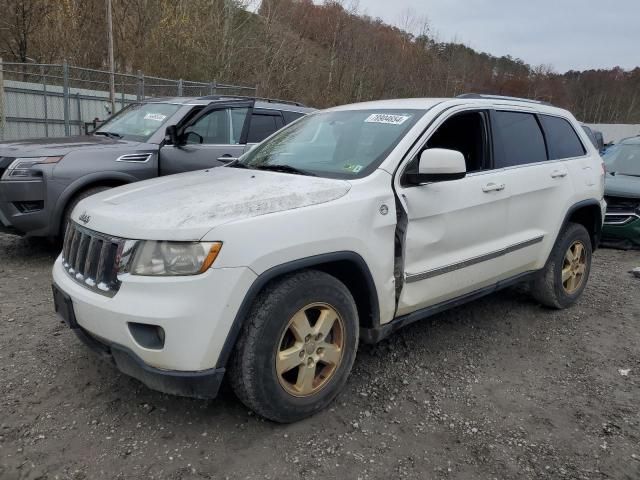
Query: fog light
147,336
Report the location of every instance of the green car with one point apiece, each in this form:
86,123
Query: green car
622,193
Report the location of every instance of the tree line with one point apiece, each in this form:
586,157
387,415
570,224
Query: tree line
322,55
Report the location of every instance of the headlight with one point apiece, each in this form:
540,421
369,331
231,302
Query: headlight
173,258
20,168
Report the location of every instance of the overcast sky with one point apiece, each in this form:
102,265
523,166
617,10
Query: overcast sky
567,34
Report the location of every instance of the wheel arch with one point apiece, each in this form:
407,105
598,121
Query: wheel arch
110,179
587,213
348,267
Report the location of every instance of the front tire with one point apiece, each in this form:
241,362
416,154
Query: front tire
297,347
565,276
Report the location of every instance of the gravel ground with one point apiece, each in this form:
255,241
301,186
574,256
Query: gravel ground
497,389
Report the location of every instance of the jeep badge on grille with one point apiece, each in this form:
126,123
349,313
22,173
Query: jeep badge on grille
84,218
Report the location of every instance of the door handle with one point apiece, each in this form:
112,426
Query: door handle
558,174
493,187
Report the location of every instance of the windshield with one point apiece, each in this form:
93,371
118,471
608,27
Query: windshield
623,159
138,122
342,144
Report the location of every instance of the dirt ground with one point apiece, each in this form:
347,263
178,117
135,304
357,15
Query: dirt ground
497,389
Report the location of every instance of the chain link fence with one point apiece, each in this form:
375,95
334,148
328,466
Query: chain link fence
51,100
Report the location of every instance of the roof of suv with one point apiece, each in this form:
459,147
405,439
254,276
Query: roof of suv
466,99
267,103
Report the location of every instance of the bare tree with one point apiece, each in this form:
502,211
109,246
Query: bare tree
20,19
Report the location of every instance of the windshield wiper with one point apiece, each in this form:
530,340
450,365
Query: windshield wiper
613,174
285,169
237,164
109,134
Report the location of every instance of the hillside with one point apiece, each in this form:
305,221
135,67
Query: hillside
319,54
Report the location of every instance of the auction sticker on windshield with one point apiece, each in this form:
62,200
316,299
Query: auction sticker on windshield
157,117
353,168
387,118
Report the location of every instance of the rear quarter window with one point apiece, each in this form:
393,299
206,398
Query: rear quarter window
562,139
291,116
518,139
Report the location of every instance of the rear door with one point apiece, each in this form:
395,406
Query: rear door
215,135
538,184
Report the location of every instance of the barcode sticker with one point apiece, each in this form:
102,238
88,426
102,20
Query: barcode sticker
157,117
387,118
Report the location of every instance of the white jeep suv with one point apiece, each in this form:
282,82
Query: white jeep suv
341,228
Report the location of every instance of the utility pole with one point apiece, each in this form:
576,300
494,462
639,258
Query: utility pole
112,75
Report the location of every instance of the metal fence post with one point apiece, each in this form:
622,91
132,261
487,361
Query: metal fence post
180,87
80,123
140,92
122,94
3,123
44,96
65,97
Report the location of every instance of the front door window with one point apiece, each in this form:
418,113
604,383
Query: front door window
218,127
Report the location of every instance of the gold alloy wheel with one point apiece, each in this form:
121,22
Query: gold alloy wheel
574,267
310,350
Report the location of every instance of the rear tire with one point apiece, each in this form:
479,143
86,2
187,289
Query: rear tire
72,204
565,276
297,347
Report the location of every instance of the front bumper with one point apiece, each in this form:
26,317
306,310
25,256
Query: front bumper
196,314
29,221
204,384
624,236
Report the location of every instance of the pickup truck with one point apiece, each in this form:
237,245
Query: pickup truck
41,180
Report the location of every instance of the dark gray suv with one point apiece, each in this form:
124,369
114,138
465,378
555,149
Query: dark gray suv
41,180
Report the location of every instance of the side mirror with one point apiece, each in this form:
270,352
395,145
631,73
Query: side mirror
439,165
171,135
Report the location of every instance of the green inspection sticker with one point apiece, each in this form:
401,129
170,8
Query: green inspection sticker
353,168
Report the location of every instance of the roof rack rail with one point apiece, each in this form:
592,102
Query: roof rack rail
502,97
248,97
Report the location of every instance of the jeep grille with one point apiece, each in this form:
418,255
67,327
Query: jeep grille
91,259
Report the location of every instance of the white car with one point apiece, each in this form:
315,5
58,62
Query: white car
341,228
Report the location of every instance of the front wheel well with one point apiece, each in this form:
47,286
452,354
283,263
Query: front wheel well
590,217
359,284
99,183
348,267
78,194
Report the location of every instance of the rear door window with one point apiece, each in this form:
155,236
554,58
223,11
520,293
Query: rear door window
562,140
518,139
291,116
263,125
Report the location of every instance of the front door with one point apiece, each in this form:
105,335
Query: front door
455,235
217,133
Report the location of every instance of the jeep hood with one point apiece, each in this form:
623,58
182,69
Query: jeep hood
52,147
186,206
622,186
